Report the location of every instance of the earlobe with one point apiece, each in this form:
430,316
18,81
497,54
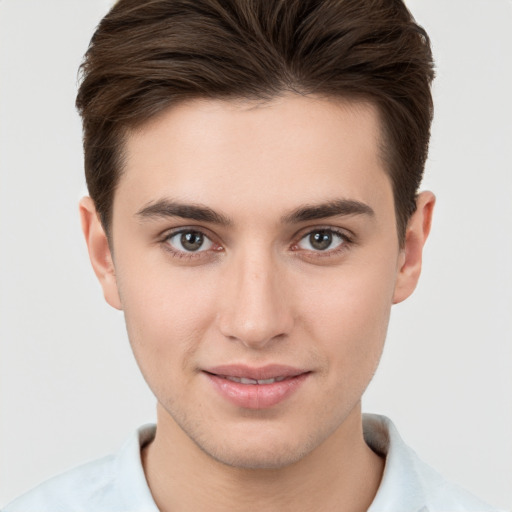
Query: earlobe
99,251
418,229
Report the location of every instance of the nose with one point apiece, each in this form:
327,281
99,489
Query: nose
255,303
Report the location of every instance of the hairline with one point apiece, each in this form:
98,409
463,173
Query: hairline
350,99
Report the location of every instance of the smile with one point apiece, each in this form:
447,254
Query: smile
256,388
244,380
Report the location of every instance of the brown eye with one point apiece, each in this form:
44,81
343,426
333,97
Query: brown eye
189,241
321,240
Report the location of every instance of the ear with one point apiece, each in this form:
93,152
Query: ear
416,235
99,251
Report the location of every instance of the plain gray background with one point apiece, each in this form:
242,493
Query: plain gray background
70,390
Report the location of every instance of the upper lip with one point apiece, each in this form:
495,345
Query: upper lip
256,373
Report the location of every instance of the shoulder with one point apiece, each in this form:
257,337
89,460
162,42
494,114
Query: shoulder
115,483
85,485
408,483
441,495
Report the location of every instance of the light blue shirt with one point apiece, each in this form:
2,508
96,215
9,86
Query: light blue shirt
116,483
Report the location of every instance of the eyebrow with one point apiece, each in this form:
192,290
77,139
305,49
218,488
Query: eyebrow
335,208
164,208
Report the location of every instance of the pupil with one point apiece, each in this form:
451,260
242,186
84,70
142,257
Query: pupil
321,240
192,240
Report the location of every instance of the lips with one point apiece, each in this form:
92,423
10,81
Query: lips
271,371
256,388
244,380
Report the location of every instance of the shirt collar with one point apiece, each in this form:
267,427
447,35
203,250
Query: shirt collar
131,480
406,484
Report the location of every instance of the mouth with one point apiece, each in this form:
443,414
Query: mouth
245,380
256,388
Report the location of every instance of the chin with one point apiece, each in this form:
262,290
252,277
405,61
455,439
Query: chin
270,457
261,449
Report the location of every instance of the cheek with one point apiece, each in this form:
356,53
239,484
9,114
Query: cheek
167,313
349,315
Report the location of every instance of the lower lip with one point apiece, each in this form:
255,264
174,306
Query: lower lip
256,396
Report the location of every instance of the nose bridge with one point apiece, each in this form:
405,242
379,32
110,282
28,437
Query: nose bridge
255,309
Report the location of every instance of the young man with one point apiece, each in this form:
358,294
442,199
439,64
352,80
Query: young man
253,169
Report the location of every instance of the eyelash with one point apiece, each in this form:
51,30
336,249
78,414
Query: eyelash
346,243
190,254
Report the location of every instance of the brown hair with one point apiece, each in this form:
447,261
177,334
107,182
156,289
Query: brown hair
148,55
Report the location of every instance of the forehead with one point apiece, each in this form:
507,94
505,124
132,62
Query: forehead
246,154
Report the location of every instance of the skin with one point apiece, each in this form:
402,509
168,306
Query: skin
258,292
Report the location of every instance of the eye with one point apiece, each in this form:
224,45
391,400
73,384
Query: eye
322,240
189,241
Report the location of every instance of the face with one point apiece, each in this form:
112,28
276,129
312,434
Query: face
256,259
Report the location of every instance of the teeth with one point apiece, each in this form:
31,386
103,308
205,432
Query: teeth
241,380
244,380
266,381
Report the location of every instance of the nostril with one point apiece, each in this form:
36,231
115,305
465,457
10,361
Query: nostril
253,309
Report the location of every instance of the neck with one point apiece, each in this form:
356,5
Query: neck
342,470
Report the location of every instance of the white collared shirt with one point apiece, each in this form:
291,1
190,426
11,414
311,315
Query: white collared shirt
116,483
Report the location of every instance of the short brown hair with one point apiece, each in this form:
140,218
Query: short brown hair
148,55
